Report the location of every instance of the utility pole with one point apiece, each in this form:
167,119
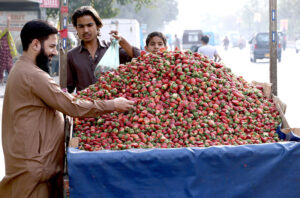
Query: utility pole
63,43
273,40
63,49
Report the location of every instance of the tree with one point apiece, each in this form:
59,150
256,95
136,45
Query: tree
52,13
290,10
105,8
255,16
286,9
156,16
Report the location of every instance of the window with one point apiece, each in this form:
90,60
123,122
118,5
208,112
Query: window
193,37
263,38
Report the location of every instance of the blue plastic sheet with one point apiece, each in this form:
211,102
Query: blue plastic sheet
290,136
254,171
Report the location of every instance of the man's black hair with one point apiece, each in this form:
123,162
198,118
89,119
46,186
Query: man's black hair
153,34
205,39
84,11
36,29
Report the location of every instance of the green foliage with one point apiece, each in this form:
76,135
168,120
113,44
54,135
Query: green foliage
289,9
106,8
52,13
155,16
286,9
138,4
252,8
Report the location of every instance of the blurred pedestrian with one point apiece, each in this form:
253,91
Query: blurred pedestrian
226,42
176,43
208,50
242,42
7,50
169,41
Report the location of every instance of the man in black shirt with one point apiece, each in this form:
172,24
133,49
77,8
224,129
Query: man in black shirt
82,60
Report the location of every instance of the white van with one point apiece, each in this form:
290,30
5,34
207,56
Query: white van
191,39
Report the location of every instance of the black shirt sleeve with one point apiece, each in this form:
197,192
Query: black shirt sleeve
71,74
124,57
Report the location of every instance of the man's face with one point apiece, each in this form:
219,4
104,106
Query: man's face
86,28
48,50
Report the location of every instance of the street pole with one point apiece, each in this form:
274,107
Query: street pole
63,43
63,49
273,44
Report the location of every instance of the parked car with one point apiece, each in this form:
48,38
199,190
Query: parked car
297,45
260,49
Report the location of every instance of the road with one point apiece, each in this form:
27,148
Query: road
239,61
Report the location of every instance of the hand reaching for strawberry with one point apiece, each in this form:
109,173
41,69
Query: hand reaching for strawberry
122,104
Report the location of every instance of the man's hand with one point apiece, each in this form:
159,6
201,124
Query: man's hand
123,43
122,104
115,34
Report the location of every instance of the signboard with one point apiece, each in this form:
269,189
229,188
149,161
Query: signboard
284,24
50,4
18,19
37,1
257,17
63,33
64,9
71,28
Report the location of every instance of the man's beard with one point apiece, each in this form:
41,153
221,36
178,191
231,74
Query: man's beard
42,60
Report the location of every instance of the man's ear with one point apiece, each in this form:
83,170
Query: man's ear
98,30
36,45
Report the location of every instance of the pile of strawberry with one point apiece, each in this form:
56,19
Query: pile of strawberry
182,99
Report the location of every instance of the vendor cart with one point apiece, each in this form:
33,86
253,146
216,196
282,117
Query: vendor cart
260,170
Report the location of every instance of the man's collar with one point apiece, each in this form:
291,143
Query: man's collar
100,44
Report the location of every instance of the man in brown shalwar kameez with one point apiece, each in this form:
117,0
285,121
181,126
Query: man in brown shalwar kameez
33,125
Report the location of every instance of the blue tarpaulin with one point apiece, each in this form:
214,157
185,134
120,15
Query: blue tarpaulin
254,171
